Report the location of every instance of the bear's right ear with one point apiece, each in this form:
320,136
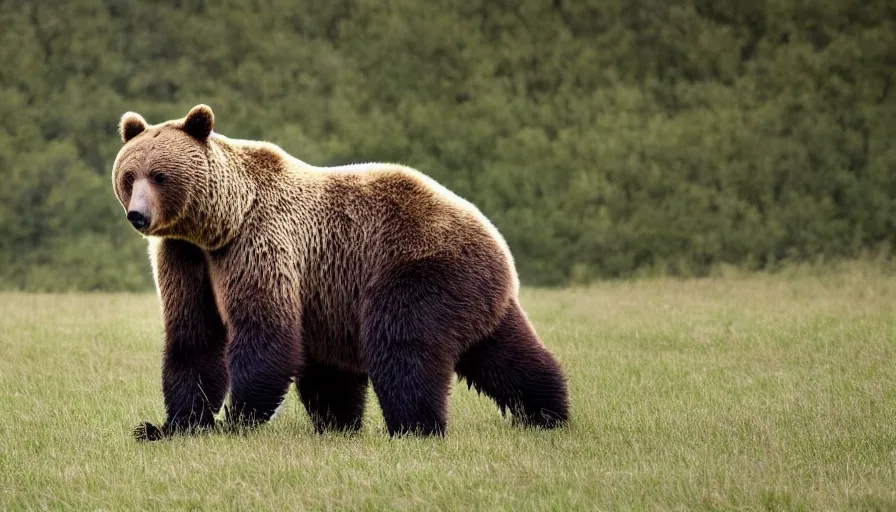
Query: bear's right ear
200,122
131,125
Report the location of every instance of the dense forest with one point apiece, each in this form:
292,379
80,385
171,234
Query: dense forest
604,138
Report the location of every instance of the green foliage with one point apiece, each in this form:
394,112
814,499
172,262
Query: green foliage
604,137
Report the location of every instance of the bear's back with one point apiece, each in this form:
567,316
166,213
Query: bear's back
410,214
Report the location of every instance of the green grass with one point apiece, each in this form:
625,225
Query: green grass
746,393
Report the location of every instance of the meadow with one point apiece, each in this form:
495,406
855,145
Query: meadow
760,392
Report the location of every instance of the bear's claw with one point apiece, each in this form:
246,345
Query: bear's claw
146,431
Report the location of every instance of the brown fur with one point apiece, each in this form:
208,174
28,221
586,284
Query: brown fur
328,275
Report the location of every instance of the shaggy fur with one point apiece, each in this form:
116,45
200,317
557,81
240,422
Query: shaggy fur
269,270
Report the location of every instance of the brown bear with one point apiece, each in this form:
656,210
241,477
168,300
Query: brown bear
271,270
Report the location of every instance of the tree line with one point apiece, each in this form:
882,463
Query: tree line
604,138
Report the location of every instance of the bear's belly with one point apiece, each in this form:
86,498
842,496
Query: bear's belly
330,336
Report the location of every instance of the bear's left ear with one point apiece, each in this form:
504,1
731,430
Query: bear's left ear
200,122
131,125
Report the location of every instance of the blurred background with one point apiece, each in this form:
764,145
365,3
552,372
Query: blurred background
604,138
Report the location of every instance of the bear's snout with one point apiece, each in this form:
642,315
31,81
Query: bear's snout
140,206
138,220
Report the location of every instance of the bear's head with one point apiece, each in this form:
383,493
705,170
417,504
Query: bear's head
169,179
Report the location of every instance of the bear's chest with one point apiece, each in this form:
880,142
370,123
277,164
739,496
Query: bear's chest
317,287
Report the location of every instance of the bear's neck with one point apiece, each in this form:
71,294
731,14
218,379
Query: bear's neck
218,217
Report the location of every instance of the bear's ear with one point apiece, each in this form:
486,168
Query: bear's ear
200,122
131,125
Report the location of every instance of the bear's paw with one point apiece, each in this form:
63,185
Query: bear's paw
146,431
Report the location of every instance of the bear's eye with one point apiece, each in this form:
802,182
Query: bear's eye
159,178
128,179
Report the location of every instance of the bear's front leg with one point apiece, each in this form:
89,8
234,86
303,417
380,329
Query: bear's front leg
194,375
263,356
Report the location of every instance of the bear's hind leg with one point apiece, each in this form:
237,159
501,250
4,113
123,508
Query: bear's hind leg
407,349
334,398
513,368
412,386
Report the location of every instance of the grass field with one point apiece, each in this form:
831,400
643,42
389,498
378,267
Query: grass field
746,393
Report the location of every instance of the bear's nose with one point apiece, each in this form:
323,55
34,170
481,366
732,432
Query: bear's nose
138,220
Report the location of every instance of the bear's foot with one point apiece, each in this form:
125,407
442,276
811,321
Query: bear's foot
146,431
419,429
540,419
240,422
